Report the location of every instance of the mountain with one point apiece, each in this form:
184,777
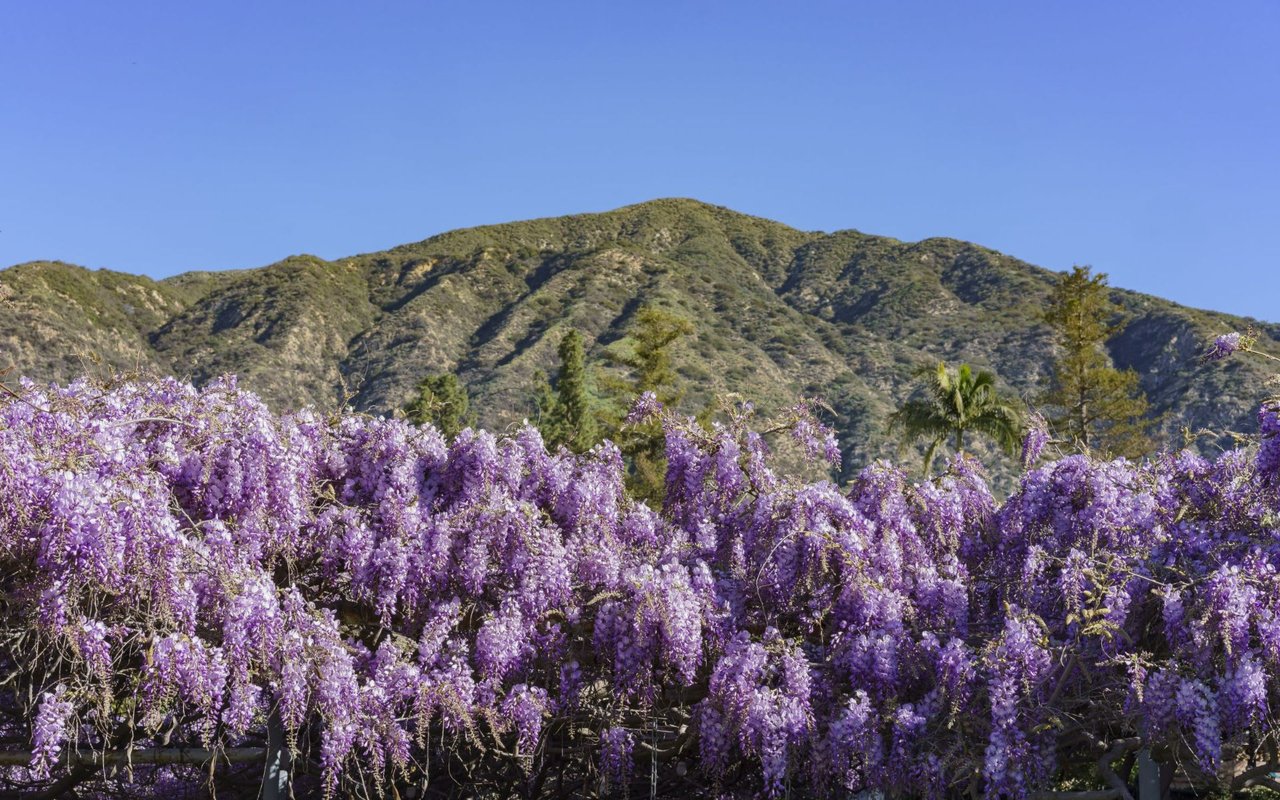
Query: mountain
779,313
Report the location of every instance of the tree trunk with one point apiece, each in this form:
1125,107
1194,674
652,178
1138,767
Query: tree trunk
1083,421
275,780
1148,777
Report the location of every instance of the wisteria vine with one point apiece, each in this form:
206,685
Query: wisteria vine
184,568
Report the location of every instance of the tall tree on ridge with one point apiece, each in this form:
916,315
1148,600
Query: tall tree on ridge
565,416
648,360
1091,405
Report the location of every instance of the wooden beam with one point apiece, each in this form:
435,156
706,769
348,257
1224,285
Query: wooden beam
156,756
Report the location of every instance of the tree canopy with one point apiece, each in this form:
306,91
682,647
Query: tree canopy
566,416
956,402
441,401
1091,405
645,358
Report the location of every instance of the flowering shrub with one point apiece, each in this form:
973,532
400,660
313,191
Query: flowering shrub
182,568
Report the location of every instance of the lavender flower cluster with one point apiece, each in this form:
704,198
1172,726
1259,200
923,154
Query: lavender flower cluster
192,568
1224,346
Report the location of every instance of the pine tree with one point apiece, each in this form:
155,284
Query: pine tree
1091,405
565,416
441,401
648,361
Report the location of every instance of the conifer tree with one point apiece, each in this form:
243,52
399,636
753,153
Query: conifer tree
1091,405
442,401
565,416
648,361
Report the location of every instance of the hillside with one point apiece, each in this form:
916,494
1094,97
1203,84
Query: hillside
779,313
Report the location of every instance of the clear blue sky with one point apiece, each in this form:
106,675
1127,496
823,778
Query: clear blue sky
1141,138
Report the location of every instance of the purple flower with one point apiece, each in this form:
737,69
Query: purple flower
1268,460
816,439
616,744
50,730
1033,442
1223,346
643,409
525,707
386,595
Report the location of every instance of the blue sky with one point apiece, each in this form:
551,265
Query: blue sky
1141,138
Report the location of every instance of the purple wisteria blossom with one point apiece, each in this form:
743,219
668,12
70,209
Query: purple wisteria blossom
196,571
1223,346
1268,460
644,408
616,746
1034,440
50,730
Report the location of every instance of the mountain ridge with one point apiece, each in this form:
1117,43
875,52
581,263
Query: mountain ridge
778,312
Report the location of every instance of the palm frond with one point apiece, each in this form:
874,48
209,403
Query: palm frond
1003,423
956,401
918,419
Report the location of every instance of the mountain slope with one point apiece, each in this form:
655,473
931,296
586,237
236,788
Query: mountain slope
779,313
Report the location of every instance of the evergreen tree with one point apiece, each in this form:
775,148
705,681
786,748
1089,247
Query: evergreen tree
564,417
955,402
1091,405
441,401
648,361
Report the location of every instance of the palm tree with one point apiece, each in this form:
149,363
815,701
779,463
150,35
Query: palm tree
955,402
